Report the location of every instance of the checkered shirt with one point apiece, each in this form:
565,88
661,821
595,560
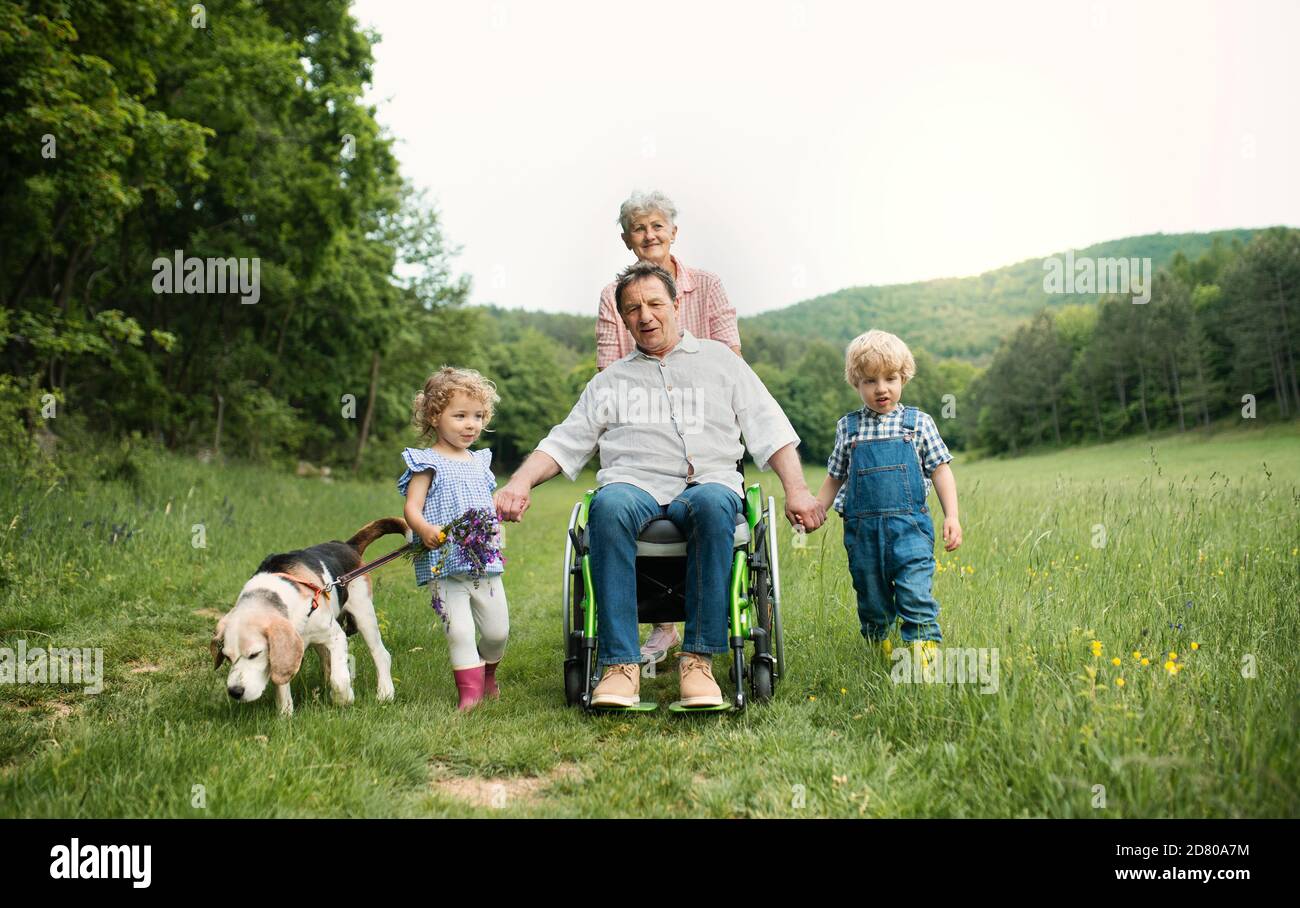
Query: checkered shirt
929,446
457,486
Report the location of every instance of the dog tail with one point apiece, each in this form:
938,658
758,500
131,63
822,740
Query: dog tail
376,528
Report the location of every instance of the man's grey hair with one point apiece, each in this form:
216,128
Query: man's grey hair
635,272
639,203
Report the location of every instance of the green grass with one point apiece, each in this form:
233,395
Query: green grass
1186,521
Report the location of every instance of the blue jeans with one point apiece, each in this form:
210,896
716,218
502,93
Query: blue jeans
706,515
891,558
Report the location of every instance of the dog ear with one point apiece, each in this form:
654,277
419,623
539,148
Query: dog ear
218,643
285,649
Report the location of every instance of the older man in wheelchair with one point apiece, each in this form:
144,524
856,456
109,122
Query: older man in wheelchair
667,420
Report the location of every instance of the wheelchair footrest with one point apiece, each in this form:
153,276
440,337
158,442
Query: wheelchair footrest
645,706
677,707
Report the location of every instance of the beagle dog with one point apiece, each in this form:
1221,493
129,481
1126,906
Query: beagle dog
284,609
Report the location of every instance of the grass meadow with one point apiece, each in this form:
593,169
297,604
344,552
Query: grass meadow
1071,560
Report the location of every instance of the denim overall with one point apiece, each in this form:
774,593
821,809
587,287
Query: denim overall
889,535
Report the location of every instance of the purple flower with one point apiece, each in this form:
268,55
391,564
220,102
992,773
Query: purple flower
438,607
474,532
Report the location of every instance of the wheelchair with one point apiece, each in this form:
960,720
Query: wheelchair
754,601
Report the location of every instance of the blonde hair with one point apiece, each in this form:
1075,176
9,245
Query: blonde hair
437,394
877,352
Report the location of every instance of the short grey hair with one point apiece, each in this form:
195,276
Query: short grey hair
639,203
635,272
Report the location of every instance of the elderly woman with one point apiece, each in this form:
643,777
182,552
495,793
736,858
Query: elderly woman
649,223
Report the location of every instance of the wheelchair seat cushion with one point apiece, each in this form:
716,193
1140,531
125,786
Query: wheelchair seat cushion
662,539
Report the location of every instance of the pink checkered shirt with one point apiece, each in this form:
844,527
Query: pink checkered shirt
705,313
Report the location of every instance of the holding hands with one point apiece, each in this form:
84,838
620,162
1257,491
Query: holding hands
511,500
803,509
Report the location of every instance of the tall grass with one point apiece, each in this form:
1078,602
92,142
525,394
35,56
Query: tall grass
1140,546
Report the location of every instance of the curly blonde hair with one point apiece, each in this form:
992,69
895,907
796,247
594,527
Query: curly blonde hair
875,352
438,391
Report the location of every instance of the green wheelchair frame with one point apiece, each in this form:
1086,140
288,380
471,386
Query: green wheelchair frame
754,606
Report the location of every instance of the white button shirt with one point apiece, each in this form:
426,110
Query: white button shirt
661,423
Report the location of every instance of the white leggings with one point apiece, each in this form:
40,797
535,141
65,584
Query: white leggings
465,608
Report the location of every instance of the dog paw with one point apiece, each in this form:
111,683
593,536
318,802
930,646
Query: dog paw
386,693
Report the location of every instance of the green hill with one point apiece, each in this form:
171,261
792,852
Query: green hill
966,317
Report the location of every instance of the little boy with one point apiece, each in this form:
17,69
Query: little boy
879,475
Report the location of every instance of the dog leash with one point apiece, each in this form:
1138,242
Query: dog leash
344,579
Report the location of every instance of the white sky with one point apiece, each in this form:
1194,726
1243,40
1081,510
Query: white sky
812,146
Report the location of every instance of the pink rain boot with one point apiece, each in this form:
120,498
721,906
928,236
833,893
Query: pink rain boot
469,681
490,688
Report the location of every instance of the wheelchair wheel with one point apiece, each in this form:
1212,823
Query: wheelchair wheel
572,593
774,591
763,602
762,670
762,675
573,682
761,681
766,587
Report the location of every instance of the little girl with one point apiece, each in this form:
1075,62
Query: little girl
440,484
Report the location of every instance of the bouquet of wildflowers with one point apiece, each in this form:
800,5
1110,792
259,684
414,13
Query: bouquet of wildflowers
476,533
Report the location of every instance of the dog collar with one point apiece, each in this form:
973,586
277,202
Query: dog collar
316,591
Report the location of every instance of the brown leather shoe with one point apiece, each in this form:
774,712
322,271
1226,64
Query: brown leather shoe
619,686
697,684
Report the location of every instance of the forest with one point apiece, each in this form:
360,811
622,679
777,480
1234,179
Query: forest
147,132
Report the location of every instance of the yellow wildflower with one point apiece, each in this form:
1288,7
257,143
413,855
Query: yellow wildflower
1146,661
1119,682
1096,647
1115,661
1195,645
1173,655
1137,654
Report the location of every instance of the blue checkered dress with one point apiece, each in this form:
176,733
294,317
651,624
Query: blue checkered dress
457,486
930,449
